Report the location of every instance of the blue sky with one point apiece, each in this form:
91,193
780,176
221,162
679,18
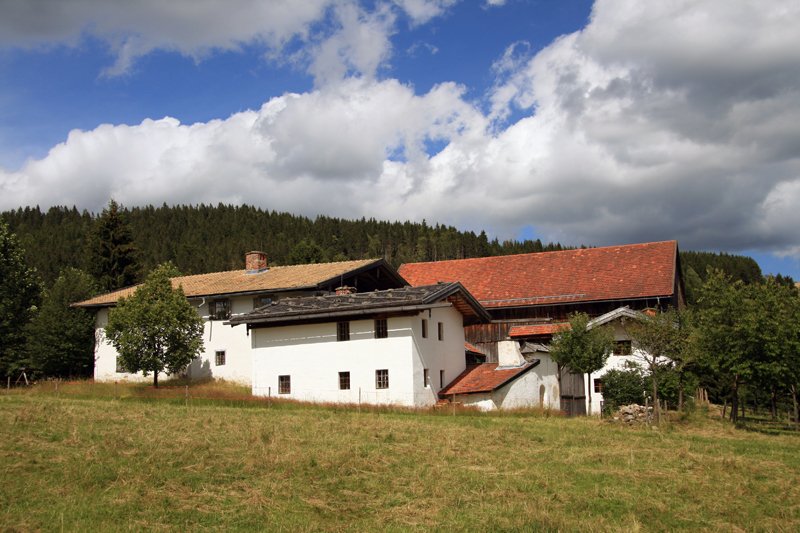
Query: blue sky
581,122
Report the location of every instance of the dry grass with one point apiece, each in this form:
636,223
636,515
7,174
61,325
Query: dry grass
103,460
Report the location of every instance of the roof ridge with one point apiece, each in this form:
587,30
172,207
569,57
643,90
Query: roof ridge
545,252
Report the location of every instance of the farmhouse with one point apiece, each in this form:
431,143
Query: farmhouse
400,346
530,296
474,331
218,296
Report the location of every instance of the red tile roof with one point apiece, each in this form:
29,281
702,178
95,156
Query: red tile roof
484,377
472,348
590,274
537,329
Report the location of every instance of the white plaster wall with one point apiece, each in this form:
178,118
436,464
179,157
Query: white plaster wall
436,355
216,336
312,356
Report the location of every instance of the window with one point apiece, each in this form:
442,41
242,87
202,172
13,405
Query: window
219,357
261,301
344,380
441,331
424,328
598,385
343,331
381,328
284,384
382,379
441,379
622,348
120,367
219,309
426,378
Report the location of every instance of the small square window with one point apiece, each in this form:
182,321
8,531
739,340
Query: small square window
426,378
441,379
344,380
598,385
441,331
219,309
343,331
219,357
382,379
381,328
424,328
284,384
622,348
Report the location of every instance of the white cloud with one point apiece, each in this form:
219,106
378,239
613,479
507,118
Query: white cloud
658,120
422,11
133,29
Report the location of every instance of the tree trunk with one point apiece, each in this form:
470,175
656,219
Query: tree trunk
589,391
794,402
680,392
155,380
773,403
656,403
724,408
735,401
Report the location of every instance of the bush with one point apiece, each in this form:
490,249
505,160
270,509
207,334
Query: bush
623,387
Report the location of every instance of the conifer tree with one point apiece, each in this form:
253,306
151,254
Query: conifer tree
113,254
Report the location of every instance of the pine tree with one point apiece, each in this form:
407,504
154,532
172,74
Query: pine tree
113,254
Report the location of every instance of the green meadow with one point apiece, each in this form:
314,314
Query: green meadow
114,458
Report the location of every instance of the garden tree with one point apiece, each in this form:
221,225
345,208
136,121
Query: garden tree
581,348
777,364
156,329
662,340
112,257
728,334
61,338
19,297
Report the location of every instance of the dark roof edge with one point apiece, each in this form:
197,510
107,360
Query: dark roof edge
382,263
303,315
453,287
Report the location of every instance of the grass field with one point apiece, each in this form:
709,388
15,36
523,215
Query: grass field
105,458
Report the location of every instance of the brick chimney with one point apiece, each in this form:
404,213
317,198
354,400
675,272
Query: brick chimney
255,262
344,290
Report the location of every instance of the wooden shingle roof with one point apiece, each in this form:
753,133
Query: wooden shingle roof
333,306
276,278
592,274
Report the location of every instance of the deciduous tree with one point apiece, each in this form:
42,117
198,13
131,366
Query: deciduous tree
19,297
156,329
60,337
581,348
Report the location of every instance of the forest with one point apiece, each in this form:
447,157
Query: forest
205,238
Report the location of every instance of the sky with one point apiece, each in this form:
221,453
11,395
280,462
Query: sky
597,123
